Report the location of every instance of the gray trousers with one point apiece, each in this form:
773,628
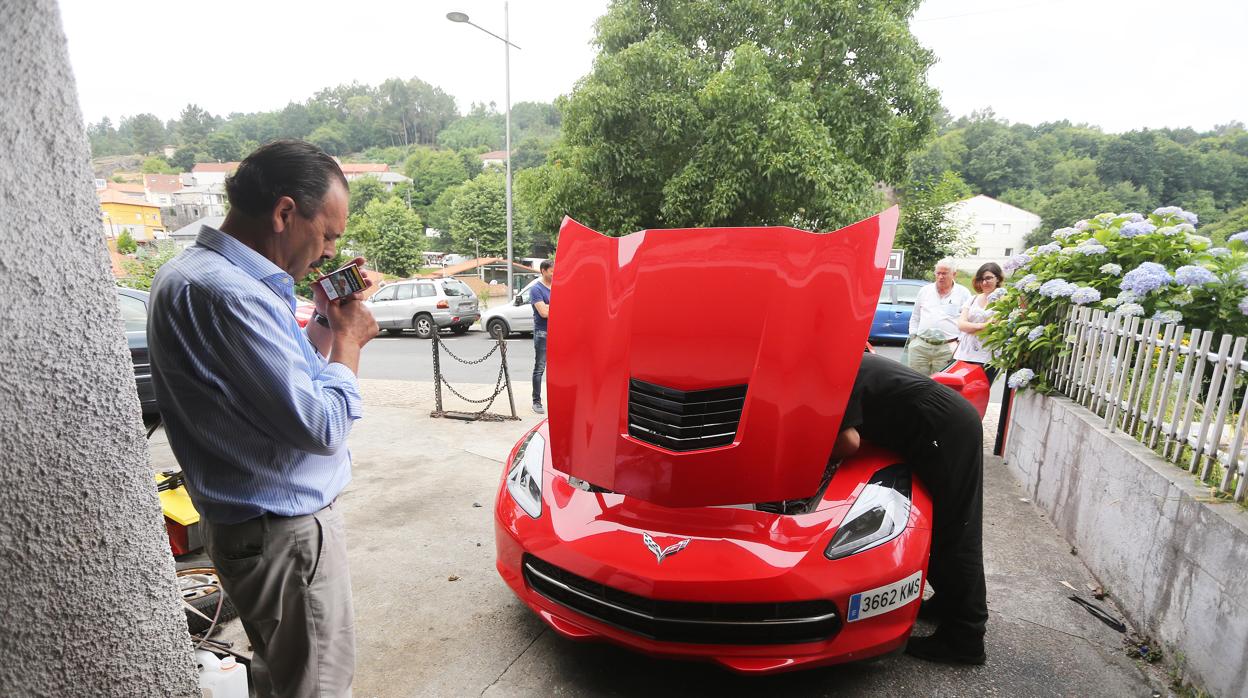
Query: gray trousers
288,579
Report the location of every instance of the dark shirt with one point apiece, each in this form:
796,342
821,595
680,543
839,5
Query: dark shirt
539,292
886,407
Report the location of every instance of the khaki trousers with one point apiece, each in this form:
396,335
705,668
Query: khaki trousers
288,579
929,358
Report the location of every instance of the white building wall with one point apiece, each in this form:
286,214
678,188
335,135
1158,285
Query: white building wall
993,230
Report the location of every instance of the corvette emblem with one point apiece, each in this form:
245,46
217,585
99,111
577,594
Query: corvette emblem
661,553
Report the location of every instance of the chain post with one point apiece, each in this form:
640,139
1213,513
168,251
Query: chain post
511,398
437,376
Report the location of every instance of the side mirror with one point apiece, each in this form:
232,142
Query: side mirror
519,300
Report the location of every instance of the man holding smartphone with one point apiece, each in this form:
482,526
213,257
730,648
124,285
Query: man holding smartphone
258,411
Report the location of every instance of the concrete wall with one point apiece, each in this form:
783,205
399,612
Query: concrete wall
1173,558
88,604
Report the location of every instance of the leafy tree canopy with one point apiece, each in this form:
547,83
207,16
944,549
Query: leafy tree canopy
703,112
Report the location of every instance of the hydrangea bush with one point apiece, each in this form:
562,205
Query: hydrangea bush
1153,266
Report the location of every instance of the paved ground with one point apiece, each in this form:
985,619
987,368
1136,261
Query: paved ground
418,516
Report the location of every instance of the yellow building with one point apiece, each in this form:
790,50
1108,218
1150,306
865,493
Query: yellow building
119,211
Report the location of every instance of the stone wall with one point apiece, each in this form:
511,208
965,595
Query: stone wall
88,602
1173,558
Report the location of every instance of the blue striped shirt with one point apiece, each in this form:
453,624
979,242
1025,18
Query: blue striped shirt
256,417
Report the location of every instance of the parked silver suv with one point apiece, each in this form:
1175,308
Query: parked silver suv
425,305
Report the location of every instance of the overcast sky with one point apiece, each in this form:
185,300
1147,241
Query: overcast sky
1120,64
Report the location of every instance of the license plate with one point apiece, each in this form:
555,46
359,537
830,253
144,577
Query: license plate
889,597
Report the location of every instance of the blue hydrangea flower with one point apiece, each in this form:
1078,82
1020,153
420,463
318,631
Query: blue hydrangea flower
1023,376
1243,306
1032,286
1190,217
1167,211
1169,317
1169,231
1090,250
1111,269
1015,314
1025,280
1131,230
1192,275
996,295
1240,236
1219,251
1048,249
1057,288
1131,309
1063,233
1113,301
1035,333
1017,261
1082,225
1084,295
1133,217
1147,277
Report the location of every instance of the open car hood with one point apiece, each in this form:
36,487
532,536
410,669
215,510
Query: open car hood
699,367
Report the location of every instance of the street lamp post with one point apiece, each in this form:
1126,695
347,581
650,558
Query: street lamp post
507,46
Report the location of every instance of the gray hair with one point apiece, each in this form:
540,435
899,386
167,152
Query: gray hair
947,263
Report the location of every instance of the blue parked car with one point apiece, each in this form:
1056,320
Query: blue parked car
892,312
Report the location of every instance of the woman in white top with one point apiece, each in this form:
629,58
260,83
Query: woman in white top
976,316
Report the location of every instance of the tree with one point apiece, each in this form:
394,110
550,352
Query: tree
432,172
364,191
141,271
147,132
331,137
927,231
126,243
712,113
224,146
184,158
1001,162
157,165
1069,205
390,235
479,216
482,127
194,125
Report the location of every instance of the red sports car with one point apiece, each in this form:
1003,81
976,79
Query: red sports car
680,499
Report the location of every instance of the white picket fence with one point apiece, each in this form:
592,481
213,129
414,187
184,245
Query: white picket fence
1164,387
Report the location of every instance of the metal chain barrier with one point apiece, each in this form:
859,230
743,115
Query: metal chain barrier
503,382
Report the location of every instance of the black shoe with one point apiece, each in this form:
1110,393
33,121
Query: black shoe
932,609
947,648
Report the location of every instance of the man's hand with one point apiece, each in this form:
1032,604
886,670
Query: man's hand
351,323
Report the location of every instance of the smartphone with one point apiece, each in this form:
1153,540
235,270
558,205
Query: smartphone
343,282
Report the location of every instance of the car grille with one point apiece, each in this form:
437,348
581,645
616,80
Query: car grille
681,420
685,621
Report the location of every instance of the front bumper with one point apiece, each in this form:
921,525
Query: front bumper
752,591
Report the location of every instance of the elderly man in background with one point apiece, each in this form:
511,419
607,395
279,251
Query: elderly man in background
934,322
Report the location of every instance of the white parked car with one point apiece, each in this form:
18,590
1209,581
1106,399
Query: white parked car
425,305
516,316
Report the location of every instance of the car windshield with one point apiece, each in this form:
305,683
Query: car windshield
453,287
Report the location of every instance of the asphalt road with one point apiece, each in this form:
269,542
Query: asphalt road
411,359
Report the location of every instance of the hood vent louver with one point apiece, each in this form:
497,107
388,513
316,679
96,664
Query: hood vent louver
680,420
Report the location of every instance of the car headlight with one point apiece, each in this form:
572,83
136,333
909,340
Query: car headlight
878,516
524,480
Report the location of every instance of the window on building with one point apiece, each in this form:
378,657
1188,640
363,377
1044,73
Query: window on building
1009,252
986,228
1005,229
